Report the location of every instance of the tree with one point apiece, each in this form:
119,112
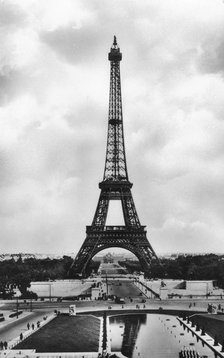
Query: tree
22,281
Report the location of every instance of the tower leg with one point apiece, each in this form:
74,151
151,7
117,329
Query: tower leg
134,241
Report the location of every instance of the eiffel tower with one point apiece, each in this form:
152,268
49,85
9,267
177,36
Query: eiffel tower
115,186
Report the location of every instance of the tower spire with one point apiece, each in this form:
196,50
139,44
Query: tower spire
115,164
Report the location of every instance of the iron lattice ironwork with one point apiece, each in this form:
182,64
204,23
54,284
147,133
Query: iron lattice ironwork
115,186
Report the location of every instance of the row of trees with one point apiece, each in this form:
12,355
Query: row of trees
187,267
19,273
191,267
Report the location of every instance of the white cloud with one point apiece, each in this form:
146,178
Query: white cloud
54,104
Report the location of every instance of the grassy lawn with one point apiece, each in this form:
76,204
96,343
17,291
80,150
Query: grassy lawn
213,325
65,334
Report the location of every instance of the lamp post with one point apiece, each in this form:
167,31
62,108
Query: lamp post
17,307
50,292
106,285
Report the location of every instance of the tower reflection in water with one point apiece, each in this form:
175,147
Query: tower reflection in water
154,335
129,328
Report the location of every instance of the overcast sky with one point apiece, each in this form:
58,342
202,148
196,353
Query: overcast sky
54,90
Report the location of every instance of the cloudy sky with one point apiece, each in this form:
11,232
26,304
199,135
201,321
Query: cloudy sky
54,89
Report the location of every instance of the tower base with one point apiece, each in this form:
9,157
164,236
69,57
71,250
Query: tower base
97,239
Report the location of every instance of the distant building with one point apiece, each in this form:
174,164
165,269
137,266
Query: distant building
115,257
108,258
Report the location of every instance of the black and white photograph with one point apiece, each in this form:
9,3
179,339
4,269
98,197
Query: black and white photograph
112,178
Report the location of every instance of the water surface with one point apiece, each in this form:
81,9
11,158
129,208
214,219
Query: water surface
152,335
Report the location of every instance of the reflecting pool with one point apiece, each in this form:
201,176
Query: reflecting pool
152,335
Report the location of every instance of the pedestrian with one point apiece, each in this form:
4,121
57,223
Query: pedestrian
21,336
28,325
1,345
33,326
5,345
